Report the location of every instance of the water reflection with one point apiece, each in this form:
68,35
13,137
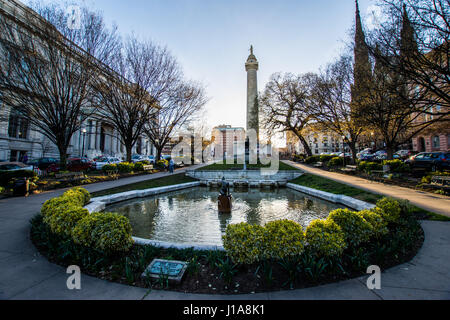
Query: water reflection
191,215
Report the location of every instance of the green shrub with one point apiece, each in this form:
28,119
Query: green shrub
312,159
85,193
368,167
162,164
64,219
76,196
2,190
125,167
379,226
106,232
283,238
389,209
109,167
326,157
427,179
356,229
336,162
53,205
299,157
243,243
396,166
325,238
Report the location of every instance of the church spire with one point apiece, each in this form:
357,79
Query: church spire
362,67
408,46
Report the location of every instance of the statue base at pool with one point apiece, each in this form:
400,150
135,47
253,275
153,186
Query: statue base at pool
225,203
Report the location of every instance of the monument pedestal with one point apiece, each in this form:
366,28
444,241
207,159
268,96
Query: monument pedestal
225,204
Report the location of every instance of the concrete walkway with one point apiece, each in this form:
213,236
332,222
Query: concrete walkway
425,200
25,274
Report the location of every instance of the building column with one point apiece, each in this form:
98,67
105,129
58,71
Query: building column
92,134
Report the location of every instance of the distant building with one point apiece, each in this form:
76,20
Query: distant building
228,141
96,137
320,142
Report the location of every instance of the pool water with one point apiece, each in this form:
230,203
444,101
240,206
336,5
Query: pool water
191,215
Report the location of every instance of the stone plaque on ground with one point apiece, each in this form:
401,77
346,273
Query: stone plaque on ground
173,270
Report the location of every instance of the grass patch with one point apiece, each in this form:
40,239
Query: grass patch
327,185
155,183
223,166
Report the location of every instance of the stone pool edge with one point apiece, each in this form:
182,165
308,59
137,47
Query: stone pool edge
335,198
99,204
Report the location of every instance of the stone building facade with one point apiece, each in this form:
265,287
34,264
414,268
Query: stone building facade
17,137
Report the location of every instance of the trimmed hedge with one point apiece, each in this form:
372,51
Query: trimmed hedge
368,167
106,232
336,162
244,242
247,244
397,166
282,239
389,209
356,229
63,220
325,238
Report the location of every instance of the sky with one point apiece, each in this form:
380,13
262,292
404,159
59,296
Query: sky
211,40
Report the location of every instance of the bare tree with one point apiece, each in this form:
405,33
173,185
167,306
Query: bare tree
390,112
416,43
286,105
177,109
333,98
48,70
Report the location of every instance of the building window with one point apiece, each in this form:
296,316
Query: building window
436,142
18,126
16,155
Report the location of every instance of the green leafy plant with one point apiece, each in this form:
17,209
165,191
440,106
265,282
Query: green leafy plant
312,267
389,209
290,265
355,228
244,243
336,162
325,238
283,238
227,270
106,232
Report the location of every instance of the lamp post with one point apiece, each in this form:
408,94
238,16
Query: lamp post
84,138
343,147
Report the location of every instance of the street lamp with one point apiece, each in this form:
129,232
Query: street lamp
343,147
84,137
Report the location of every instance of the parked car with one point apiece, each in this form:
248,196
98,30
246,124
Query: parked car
14,166
405,154
430,161
46,164
139,158
79,164
347,155
101,162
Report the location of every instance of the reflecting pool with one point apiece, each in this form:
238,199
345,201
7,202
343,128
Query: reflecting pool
191,215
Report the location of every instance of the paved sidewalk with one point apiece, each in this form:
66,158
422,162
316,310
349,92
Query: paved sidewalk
25,274
425,200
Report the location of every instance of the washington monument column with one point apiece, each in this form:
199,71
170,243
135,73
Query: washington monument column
251,67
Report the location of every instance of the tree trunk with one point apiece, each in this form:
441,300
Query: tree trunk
158,153
128,148
390,152
62,148
305,145
352,146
